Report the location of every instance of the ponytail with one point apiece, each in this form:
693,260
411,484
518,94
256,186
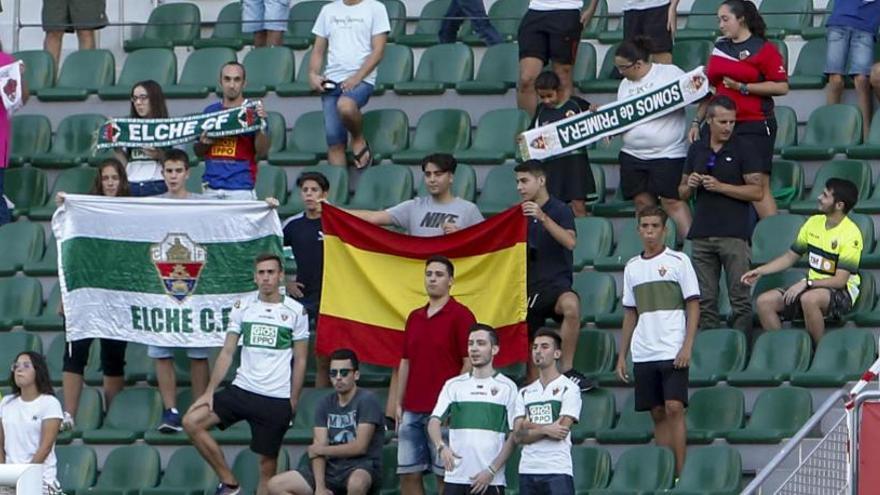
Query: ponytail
635,49
746,10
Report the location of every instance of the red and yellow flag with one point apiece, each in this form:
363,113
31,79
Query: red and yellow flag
373,279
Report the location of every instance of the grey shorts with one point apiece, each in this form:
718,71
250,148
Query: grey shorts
70,15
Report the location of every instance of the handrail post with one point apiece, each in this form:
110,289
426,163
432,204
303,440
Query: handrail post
16,26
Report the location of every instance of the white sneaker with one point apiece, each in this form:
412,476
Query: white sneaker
67,423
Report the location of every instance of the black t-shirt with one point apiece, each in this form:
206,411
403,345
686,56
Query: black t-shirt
342,423
545,114
715,214
550,264
305,238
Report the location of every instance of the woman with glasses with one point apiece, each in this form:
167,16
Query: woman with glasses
30,418
144,165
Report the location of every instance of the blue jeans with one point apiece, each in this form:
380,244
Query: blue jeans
333,127
848,45
5,214
474,10
148,188
415,454
540,484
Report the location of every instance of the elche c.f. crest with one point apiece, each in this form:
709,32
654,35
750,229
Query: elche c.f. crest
662,271
179,262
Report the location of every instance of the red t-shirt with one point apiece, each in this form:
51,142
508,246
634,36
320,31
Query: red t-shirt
435,348
753,60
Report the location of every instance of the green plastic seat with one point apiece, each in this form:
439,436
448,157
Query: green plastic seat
786,17
628,244
276,128
584,64
72,144
841,356
595,353
304,421
26,187
786,182
592,467
865,302
599,179
716,353
773,237
701,22
774,281
89,412
300,21
187,474
74,181
428,25
271,182
809,70
31,134
856,171
441,67
20,242
138,365
375,376
83,73
200,73
716,469
498,72
607,152
597,414
866,226
611,35
786,130
126,471
594,238
227,30
76,467
689,55
642,469
871,204
464,184
499,190
598,24
831,129
49,320
597,292
158,64
504,15
40,71
387,131
301,87
306,142
632,426
495,137
438,131
133,411
338,194
13,343
396,10
713,412
818,29
775,356
778,413
396,66
55,357
616,208
603,83
382,186
267,67
169,25
871,147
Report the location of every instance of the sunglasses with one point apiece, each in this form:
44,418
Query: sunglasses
26,365
340,372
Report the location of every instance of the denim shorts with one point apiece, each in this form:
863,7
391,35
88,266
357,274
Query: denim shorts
536,484
148,188
157,352
335,131
848,46
232,194
264,15
415,453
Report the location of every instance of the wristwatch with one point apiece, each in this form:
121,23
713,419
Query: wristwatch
744,88
809,284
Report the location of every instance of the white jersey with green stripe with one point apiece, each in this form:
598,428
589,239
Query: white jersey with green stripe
480,413
543,406
268,331
658,288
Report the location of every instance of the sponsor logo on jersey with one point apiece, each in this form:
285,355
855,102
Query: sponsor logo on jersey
179,262
264,335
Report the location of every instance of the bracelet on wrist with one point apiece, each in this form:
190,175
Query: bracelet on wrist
491,470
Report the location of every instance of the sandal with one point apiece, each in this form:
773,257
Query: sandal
357,156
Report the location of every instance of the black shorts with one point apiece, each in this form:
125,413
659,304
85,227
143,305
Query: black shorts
569,177
657,382
761,136
462,489
651,23
659,177
76,356
336,480
840,305
542,305
550,35
268,417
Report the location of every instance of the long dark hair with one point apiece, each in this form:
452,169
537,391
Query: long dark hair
41,374
748,12
158,108
98,186
635,49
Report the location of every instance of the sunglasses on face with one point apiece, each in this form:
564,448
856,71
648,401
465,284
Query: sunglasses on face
343,372
23,365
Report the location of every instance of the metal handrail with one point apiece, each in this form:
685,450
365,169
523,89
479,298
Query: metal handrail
856,426
815,419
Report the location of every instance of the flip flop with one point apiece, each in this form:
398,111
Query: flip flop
360,154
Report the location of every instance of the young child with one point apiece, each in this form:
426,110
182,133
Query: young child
569,177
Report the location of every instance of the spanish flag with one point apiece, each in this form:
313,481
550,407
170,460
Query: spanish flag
373,278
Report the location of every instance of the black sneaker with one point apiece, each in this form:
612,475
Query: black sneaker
584,383
170,421
390,423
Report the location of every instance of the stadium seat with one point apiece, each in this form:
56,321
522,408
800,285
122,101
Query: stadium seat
689,55
300,22
775,281
387,131
306,142
505,15
40,71
74,181
596,352
382,186
778,413
55,357
841,356
89,412
701,22
227,30
713,412
866,301
26,188
126,471
607,152
773,237
83,73
271,182
786,130
187,474
857,171
617,207
809,70
831,129
594,238
775,356
786,182
597,292
797,15
599,22
644,469
428,25
611,35
396,10
158,64
138,366
499,190
584,64
494,139
597,413
870,149
200,73
72,143
599,179
464,183
604,82
49,320
13,343
498,72
267,67
716,353
438,131
440,67
300,86
632,426
276,128
818,29
396,66
338,194
247,471
31,134
871,204
628,244
20,242
716,469
866,226
76,467
133,411
169,25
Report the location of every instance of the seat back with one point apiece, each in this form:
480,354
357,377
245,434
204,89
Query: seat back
40,71
703,15
866,227
630,419
228,24
20,242
838,125
585,63
31,134
644,468
784,350
781,408
599,22
505,15
338,178
595,352
811,60
608,67
134,409
271,182
791,15
131,467
773,236
158,64
202,67
269,66
383,186
499,128
594,238
88,69
302,18
14,343
690,54
387,130
499,189
442,131
848,350
175,22
719,408
26,187
397,17
396,65
75,133
276,127
187,469
597,292
719,350
447,63
592,467
246,468
786,182
464,183
307,134
715,469
500,63
628,243
90,411
431,17
856,171
786,127
76,467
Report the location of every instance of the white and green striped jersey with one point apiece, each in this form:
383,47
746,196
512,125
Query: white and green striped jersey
543,406
480,413
268,332
658,288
